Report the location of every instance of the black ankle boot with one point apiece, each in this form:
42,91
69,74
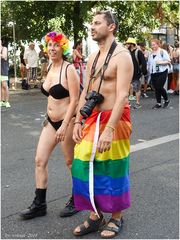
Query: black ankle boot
69,209
38,206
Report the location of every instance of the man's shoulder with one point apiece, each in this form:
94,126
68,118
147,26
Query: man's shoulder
121,47
92,56
120,51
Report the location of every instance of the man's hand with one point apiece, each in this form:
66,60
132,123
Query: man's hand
77,133
105,140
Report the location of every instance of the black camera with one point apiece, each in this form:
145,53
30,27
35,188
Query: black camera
92,99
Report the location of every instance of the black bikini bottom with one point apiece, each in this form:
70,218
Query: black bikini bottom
56,125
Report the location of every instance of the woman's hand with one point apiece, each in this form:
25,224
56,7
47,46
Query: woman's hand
105,140
77,132
61,132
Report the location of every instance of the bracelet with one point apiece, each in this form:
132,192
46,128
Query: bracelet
109,126
65,123
77,123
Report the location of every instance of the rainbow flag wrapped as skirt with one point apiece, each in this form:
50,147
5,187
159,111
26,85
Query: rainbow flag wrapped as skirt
111,168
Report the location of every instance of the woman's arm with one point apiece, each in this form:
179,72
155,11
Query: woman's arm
165,58
76,53
73,87
4,53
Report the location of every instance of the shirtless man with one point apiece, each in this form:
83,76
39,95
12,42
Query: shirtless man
107,189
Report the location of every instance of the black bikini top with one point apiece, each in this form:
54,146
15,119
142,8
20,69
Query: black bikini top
57,91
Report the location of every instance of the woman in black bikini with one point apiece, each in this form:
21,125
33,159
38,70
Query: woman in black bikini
62,90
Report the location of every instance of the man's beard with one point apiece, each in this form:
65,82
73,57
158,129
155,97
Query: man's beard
99,38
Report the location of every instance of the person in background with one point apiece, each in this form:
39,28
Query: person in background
78,61
169,50
140,67
31,61
158,67
22,62
4,76
144,79
175,62
61,87
77,55
43,56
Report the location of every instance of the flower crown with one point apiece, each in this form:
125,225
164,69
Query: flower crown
59,38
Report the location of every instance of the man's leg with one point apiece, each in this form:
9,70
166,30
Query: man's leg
92,224
113,227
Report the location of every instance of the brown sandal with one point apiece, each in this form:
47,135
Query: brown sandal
94,226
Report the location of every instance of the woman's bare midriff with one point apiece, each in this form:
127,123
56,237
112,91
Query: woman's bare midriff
57,108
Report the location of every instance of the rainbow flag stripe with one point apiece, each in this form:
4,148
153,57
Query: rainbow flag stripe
111,168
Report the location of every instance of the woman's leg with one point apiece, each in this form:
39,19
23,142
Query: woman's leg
45,147
5,91
164,94
67,146
158,95
2,93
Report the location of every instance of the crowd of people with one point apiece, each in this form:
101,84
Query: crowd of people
157,67
93,130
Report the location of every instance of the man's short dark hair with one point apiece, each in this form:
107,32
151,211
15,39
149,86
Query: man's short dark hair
110,18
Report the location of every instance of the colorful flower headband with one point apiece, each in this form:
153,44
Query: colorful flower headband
59,38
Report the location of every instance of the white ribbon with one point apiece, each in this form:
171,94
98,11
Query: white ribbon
91,169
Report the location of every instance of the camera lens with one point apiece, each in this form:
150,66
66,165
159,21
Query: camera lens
88,108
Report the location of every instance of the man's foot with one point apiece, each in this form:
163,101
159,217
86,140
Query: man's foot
69,209
35,210
157,106
137,106
112,228
89,226
166,104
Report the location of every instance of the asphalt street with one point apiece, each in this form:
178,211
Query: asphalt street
154,174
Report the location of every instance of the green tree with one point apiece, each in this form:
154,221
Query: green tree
170,14
35,18
31,18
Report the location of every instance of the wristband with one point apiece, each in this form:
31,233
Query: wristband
77,123
65,123
109,126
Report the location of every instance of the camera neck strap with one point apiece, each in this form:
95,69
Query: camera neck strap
105,65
